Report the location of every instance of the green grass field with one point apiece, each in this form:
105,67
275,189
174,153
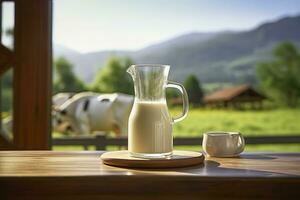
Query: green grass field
266,122
271,122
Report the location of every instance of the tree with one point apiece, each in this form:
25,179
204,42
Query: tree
193,89
279,78
113,77
66,80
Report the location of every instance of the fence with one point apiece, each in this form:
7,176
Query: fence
101,141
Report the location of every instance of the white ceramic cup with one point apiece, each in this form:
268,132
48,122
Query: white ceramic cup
223,144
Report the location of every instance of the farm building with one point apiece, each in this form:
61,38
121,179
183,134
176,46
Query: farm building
236,97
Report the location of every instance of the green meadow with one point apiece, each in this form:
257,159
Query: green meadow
249,123
266,122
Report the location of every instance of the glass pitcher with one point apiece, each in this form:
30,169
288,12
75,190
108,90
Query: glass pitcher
150,124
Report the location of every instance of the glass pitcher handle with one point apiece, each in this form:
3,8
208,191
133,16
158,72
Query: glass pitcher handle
185,100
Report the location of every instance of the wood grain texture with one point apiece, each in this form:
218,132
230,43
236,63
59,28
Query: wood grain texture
82,175
32,74
178,159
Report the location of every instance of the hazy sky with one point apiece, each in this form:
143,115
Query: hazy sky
90,25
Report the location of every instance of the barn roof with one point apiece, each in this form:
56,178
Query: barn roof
228,93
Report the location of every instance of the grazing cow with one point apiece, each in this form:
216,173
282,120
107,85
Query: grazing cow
58,100
86,112
89,112
59,126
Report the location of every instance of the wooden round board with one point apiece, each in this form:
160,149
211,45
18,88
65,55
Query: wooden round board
178,159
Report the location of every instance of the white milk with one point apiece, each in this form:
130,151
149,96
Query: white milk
150,128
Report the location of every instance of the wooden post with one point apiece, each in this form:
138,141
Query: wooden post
32,74
85,147
100,140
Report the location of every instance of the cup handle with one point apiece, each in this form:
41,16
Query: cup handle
241,144
180,87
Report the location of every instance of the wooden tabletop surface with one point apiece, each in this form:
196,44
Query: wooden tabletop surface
64,174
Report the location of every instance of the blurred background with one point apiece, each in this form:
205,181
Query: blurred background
239,61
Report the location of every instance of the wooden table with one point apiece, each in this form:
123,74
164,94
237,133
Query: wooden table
81,175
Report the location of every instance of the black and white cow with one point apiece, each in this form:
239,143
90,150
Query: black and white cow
89,112
86,112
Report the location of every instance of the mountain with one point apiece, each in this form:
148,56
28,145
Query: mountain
60,50
86,65
213,57
176,42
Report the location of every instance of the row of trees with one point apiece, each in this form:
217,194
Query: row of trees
279,79
112,78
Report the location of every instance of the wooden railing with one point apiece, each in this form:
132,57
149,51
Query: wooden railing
101,141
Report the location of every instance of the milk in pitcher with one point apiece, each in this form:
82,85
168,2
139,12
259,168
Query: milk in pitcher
150,128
